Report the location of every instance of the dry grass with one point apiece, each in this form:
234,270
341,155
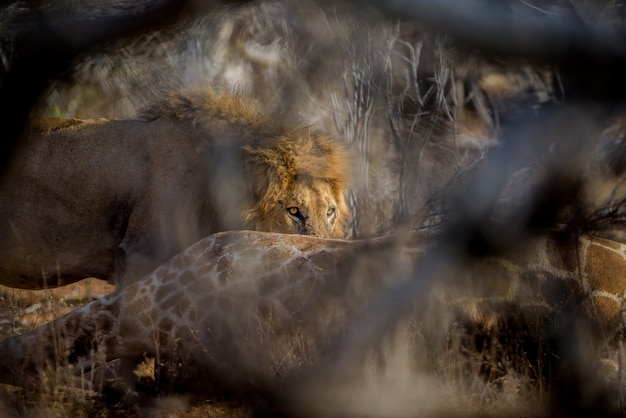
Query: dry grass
23,310
393,381
406,149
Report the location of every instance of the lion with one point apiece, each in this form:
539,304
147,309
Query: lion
113,199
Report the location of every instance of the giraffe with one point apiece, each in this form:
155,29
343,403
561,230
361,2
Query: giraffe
246,306
210,279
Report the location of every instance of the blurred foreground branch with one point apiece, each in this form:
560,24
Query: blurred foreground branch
591,59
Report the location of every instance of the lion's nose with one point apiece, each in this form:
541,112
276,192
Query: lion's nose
304,229
304,215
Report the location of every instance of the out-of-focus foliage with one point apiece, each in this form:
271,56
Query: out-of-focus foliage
467,122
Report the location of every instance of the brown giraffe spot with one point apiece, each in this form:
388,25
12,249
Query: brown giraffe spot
186,278
202,285
129,328
604,271
164,330
138,306
607,309
165,291
554,251
204,270
183,304
294,298
224,264
561,293
165,324
104,322
167,303
110,346
178,264
145,320
193,316
216,251
178,305
321,258
267,284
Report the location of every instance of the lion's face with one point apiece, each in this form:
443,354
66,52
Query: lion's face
310,207
297,184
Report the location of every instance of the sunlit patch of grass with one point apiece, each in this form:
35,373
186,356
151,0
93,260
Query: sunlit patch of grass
22,310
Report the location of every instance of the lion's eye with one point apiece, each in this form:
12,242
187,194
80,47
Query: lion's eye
330,212
293,211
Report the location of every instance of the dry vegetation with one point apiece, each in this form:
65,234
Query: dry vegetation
421,114
23,310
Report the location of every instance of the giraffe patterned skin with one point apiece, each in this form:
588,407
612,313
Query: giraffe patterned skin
240,304
277,277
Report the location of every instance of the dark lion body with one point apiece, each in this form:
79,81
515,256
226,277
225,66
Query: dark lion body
113,199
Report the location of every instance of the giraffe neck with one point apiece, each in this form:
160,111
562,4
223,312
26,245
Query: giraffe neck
202,296
274,303
69,340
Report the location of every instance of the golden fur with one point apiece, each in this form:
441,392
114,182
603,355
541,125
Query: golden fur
113,199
